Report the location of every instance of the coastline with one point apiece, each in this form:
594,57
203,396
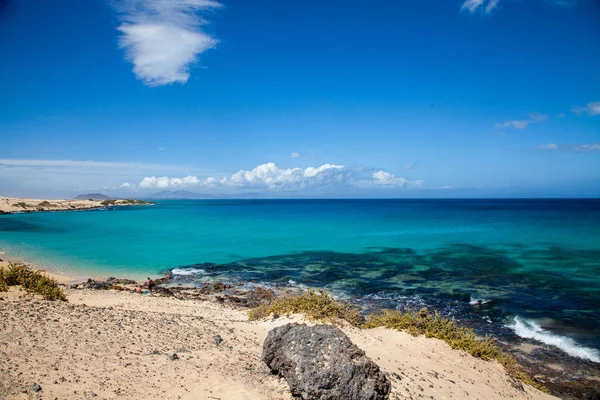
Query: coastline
14,205
110,342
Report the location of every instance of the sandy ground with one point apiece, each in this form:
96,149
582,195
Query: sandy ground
110,344
13,204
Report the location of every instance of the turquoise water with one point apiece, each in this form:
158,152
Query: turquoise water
535,259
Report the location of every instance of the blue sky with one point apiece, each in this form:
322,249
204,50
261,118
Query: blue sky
316,98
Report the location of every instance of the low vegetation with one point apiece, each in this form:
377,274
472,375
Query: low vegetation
45,204
32,281
21,204
320,306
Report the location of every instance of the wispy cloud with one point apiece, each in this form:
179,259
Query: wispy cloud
485,6
592,108
513,124
163,38
83,165
295,155
522,124
410,166
580,148
270,177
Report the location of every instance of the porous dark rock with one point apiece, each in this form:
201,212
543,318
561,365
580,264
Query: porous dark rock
320,362
174,357
36,388
98,285
118,281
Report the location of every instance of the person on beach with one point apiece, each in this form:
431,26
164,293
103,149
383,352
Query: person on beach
150,284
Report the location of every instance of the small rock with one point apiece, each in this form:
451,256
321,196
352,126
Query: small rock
154,352
218,340
174,357
36,388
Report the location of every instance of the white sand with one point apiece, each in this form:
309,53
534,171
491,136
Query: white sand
99,342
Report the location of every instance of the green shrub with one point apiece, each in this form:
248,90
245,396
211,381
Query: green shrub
109,202
21,204
318,306
45,204
32,281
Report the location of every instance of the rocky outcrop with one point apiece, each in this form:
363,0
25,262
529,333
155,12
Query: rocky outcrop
320,362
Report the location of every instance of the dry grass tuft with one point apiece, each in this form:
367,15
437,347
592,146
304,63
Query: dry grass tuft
32,281
318,306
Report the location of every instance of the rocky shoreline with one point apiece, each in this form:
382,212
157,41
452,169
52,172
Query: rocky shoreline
565,376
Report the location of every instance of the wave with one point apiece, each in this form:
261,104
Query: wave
530,330
188,271
474,301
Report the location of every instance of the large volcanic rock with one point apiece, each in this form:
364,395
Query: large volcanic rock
320,362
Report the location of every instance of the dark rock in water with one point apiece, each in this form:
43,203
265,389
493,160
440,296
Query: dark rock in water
320,362
36,388
174,357
210,288
218,339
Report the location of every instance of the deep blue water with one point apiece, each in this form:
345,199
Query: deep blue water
538,260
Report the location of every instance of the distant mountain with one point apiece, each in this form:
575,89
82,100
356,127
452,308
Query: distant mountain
92,196
179,194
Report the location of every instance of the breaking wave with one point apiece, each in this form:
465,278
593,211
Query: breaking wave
530,330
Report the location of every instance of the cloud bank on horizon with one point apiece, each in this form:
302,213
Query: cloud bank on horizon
270,177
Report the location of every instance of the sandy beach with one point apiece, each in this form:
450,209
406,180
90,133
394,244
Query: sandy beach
119,344
10,205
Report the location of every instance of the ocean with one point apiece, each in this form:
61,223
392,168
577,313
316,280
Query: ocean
523,268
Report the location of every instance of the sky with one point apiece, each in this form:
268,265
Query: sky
300,98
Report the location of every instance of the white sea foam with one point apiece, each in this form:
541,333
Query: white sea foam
476,301
185,271
530,330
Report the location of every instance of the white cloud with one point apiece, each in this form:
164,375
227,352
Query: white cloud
522,124
475,5
295,155
513,124
580,148
537,117
163,38
270,177
385,178
592,108
471,5
166,182
550,146
487,6
490,6
587,147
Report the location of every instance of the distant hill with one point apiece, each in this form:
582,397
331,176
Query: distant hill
93,196
179,194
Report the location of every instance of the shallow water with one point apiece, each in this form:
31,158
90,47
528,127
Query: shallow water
538,260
